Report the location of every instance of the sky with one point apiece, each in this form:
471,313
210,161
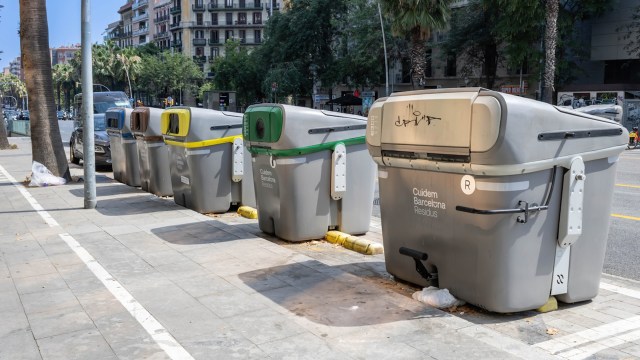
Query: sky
64,24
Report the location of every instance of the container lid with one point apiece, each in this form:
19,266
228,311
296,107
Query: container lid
286,130
115,119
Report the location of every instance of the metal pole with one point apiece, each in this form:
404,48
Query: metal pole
88,146
384,44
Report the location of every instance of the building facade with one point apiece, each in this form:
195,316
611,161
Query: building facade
161,17
142,23
126,18
62,55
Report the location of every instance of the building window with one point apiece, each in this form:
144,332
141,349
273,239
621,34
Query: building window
257,36
228,3
228,34
429,68
450,69
242,18
214,36
199,34
199,19
257,18
229,18
243,36
214,18
199,51
215,52
242,4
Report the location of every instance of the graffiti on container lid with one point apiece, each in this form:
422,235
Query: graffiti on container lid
415,118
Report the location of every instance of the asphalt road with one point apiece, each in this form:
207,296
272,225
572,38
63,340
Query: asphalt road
623,245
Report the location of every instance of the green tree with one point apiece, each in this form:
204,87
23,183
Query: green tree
415,19
64,81
129,66
168,74
46,142
237,70
10,85
295,59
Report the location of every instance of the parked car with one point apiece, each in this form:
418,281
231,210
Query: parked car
23,115
60,115
102,101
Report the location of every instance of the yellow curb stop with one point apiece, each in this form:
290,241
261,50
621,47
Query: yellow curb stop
354,243
248,212
550,305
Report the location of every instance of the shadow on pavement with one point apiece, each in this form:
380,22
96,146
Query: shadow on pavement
207,232
106,190
332,295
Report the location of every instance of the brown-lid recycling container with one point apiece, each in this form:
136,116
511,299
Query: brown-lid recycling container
311,170
210,168
502,200
124,150
153,153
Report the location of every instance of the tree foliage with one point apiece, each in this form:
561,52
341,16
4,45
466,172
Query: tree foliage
237,70
632,34
415,20
516,28
168,74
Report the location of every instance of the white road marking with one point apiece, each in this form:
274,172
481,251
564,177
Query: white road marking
620,290
161,336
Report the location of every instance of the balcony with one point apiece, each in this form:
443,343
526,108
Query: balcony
140,3
140,17
160,19
202,24
174,26
141,31
176,43
175,10
161,35
199,42
200,59
214,42
198,7
212,59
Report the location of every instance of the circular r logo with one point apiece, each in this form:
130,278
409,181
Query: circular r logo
468,184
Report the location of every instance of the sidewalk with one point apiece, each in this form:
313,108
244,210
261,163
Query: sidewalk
142,278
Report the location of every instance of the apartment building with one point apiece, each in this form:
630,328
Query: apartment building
161,17
126,18
141,23
15,68
62,55
200,29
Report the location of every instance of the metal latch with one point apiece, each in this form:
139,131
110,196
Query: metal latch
237,165
339,172
572,202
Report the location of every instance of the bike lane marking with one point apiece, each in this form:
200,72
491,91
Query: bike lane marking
153,327
629,186
626,217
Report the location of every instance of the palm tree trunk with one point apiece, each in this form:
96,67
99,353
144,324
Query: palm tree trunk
418,61
550,37
4,141
46,143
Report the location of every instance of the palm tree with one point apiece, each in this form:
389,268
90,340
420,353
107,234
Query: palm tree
130,63
415,19
46,142
550,37
9,84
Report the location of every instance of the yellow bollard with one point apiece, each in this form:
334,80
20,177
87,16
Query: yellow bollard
550,305
354,243
248,212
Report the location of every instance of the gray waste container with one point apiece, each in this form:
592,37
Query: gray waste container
504,200
124,151
153,154
311,170
210,169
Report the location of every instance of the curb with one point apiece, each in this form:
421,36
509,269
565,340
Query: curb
354,243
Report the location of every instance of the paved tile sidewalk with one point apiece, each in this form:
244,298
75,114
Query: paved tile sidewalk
222,289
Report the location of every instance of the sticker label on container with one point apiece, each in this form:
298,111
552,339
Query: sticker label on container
184,180
468,184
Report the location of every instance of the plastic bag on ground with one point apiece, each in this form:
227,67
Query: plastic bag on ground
438,298
41,176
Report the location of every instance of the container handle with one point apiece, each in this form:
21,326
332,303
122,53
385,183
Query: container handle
524,207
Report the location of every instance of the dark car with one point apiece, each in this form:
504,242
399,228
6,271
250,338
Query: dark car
102,101
60,115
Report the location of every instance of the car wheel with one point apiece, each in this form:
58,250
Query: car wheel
72,155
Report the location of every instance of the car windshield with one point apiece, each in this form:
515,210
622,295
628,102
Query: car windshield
102,107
